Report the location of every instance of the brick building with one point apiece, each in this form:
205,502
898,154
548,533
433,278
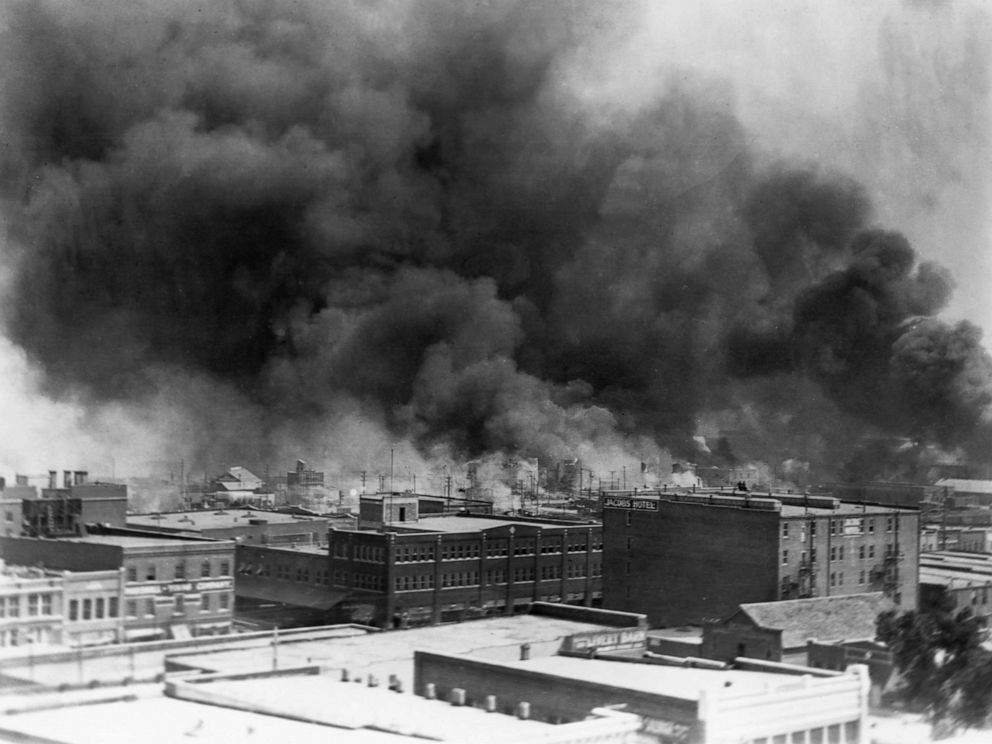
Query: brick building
400,569
684,557
174,586
57,512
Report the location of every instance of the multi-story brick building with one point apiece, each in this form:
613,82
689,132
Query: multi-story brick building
684,557
400,568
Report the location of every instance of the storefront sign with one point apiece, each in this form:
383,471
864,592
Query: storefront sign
179,587
606,640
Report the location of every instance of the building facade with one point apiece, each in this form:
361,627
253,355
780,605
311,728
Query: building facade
176,586
684,557
30,606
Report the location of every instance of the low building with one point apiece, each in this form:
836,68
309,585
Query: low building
175,586
674,703
780,631
682,557
963,578
247,526
12,509
30,606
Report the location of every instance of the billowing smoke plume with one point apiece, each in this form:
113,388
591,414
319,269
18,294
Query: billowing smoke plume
381,223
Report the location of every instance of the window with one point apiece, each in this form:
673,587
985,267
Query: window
840,552
73,609
181,571
150,607
150,573
13,606
100,606
785,557
889,524
131,608
225,601
225,568
861,577
132,573
871,551
861,552
628,543
628,519
180,607
34,605
205,569
87,609
112,607
871,526
785,530
8,515
628,567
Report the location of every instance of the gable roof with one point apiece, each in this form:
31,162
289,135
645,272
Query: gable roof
845,617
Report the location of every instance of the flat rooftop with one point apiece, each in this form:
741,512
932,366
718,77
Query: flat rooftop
136,541
391,652
474,524
684,683
326,700
197,521
846,509
169,720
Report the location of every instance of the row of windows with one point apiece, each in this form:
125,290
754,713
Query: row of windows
461,551
369,581
840,527
35,605
219,602
93,609
415,553
180,571
575,569
865,552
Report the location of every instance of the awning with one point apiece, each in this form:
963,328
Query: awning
297,595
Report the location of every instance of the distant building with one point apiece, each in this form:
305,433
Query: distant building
684,557
304,477
883,493
965,492
12,508
776,631
961,577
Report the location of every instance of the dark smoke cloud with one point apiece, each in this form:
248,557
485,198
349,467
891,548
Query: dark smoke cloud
283,217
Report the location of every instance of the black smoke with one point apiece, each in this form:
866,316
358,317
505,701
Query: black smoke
404,210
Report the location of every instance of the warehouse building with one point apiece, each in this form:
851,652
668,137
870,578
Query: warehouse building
400,568
684,557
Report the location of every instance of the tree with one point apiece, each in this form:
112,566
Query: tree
944,669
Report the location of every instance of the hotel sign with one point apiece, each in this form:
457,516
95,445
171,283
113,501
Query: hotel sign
179,587
626,502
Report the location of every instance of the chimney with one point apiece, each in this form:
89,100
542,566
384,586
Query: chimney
53,477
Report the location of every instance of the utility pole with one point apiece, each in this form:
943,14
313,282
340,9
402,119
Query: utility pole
390,469
624,477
